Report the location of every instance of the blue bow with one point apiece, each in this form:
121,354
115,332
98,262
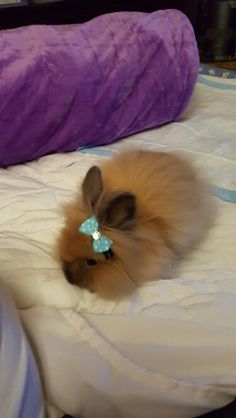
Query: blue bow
101,243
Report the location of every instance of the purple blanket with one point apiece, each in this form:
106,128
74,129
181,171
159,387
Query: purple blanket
62,87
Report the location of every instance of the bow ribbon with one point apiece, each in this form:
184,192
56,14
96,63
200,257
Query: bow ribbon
101,243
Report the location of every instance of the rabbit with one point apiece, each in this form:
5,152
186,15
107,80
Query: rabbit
152,209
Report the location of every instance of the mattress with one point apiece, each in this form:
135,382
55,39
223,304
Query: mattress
170,349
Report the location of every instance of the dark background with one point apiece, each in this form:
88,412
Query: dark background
78,11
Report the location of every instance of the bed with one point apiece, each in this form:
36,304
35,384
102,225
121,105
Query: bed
170,349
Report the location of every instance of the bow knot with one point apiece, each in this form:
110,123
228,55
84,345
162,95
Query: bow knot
90,227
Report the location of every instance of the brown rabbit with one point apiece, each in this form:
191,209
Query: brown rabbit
154,209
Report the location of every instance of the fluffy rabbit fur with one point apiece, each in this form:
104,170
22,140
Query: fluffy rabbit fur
151,205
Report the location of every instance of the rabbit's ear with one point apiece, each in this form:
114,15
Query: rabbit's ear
118,211
92,187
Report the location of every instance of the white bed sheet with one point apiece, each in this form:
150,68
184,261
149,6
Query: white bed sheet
170,349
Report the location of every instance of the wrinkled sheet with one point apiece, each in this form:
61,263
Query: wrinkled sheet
171,347
66,86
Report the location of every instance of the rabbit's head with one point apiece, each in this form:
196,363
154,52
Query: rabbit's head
98,247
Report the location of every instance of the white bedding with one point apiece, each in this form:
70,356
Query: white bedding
170,350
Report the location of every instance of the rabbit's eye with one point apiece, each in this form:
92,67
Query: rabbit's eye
90,262
108,254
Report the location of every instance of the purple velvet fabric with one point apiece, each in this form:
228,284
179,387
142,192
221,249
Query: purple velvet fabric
62,87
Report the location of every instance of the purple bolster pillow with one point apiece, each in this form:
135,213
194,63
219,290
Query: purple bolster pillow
62,87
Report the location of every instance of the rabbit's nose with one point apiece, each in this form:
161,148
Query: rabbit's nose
75,273
68,272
